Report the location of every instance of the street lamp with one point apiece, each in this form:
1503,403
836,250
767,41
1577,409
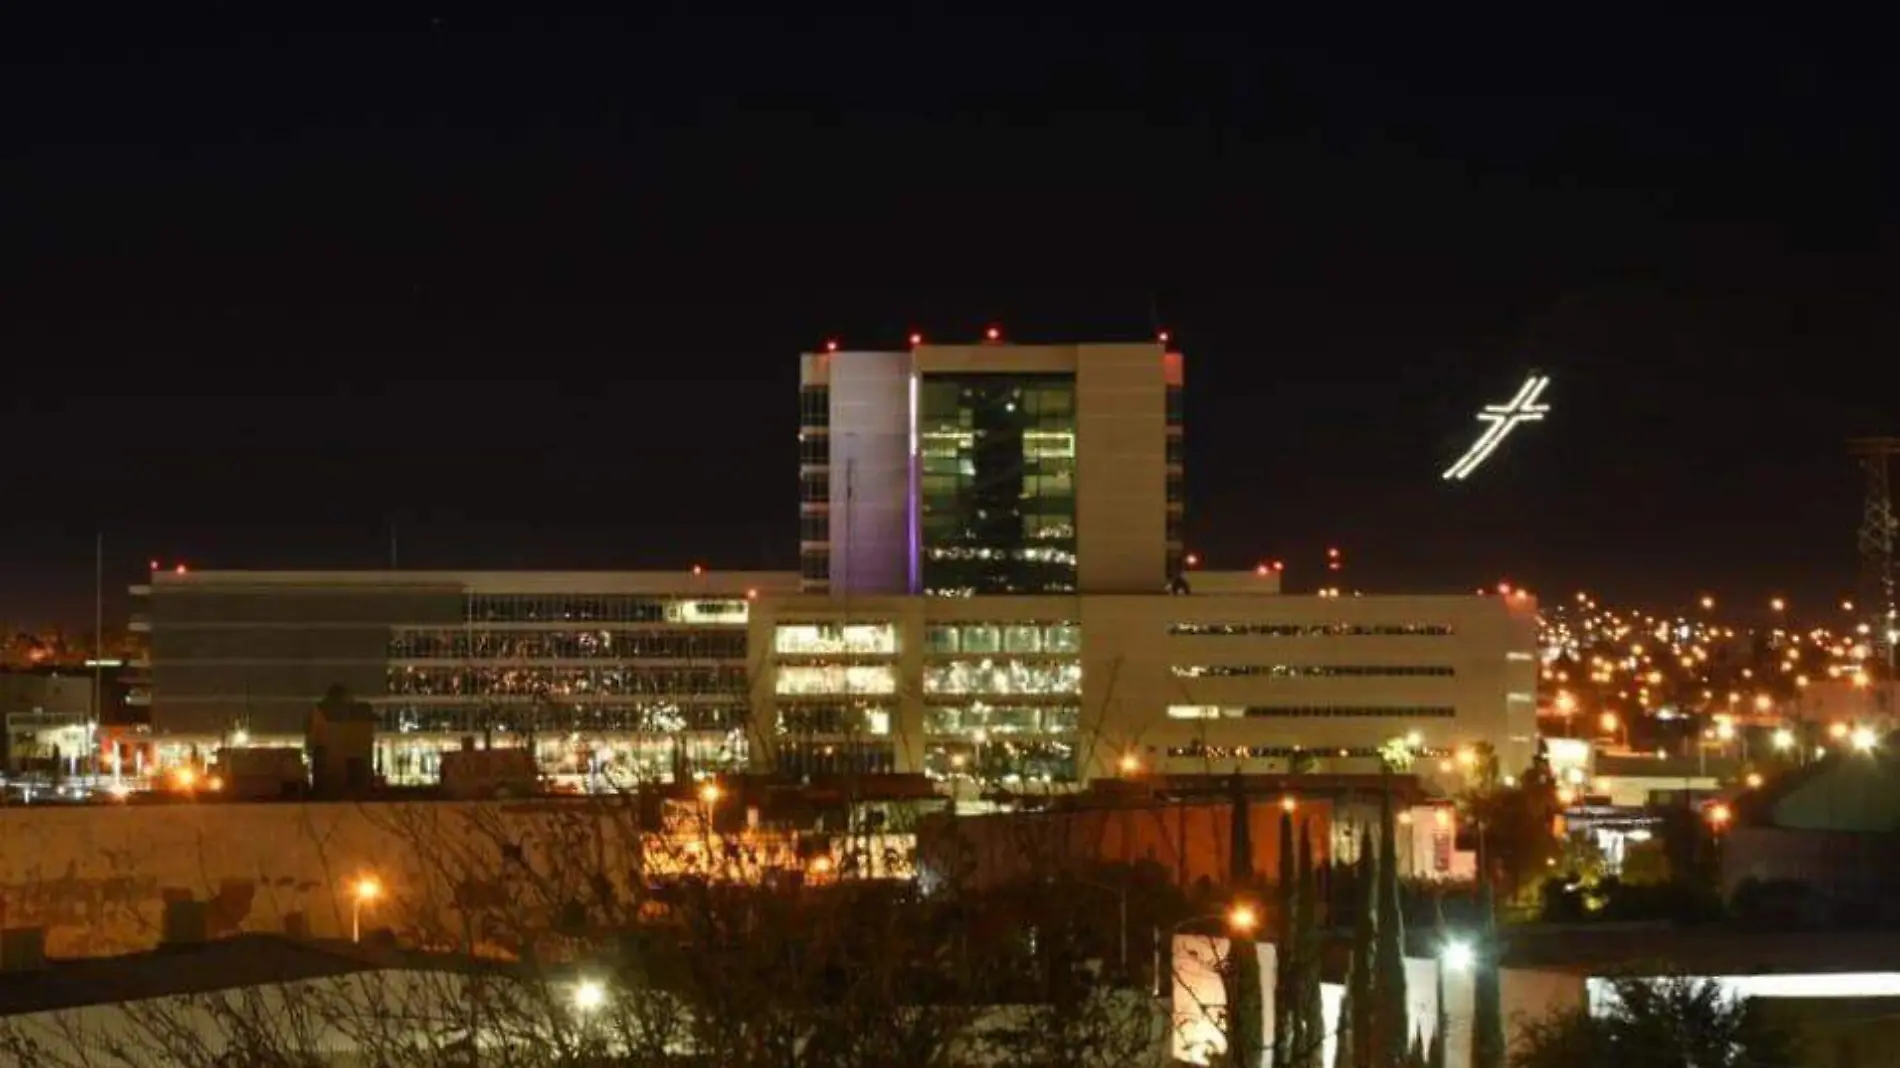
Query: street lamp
589,996
1241,919
1457,955
365,891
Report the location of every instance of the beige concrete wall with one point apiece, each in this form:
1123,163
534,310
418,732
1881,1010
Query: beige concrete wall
97,877
1128,683
1121,468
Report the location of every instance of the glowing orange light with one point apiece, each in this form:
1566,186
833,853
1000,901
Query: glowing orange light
180,569
752,595
698,570
820,865
1242,918
1504,588
1278,566
1193,560
1288,803
1262,569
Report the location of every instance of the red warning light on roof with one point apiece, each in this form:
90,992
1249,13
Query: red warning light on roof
154,565
994,333
1162,337
698,570
1504,588
1262,569
1193,560
1278,566
916,340
832,345
179,570
1332,554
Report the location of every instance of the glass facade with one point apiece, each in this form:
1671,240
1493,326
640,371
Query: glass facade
997,483
1311,671
982,638
1026,677
606,686
874,639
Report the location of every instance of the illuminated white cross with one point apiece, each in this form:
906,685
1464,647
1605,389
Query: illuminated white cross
1503,418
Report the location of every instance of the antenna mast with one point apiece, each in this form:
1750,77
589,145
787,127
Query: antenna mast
1877,528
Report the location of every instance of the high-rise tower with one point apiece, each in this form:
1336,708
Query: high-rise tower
966,470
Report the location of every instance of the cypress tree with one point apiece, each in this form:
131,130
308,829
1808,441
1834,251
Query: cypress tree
1246,1001
1388,1031
1285,949
1487,1010
1309,1025
1240,831
1441,1020
1359,981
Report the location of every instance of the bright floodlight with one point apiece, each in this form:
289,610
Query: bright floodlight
1503,418
1457,956
589,995
1864,738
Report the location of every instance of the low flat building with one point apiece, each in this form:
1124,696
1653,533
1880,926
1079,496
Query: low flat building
653,675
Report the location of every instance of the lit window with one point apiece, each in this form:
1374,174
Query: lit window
837,679
831,638
1003,677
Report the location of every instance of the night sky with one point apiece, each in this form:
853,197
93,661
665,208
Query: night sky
532,291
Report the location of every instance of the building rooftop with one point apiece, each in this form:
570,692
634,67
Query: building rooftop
202,968
709,582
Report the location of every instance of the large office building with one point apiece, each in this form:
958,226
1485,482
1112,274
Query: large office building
992,590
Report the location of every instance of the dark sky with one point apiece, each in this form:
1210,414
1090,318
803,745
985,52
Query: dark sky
534,289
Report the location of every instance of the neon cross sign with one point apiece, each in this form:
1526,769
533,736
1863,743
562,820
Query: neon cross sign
1503,418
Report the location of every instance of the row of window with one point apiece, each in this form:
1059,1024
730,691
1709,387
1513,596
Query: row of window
814,565
814,526
1311,712
814,448
1312,630
1264,752
1311,671
966,677
556,682
1023,677
605,608
814,406
868,639
818,679
983,721
1015,761
1059,638
833,719
656,717
606,644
